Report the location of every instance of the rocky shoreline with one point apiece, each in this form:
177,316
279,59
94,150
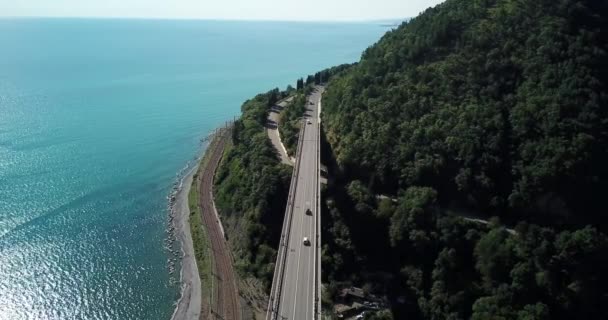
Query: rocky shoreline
188,307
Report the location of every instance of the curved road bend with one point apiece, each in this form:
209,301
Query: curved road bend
272,127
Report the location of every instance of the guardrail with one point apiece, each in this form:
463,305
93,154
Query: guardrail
317,285
279,271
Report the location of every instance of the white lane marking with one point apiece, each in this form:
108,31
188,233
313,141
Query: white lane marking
300,246
295,298
313,243
313,234
284,291
292,239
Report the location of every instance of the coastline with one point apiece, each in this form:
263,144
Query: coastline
188,307
183,217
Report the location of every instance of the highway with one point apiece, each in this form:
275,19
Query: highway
295,290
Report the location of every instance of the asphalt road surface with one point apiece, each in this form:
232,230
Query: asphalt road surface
297,294
272,127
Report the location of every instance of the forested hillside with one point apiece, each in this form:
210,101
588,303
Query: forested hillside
500,105
251,187
290,121
482,107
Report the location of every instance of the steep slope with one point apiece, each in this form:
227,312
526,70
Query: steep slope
483,107
500,105
251,187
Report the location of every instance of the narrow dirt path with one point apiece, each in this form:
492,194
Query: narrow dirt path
225,297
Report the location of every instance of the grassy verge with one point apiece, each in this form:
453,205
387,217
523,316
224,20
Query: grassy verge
250,190
200,239
200,242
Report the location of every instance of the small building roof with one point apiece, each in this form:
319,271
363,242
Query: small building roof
353,291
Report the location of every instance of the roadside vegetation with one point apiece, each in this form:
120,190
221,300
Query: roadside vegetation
291,120
496,107
201,244
251,187
491,107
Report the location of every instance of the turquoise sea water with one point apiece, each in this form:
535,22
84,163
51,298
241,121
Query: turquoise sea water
96,118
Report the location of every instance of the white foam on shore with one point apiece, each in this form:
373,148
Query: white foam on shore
188,307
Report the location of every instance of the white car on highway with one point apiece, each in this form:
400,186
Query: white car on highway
306,241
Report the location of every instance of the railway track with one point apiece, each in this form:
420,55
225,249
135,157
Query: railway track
225,298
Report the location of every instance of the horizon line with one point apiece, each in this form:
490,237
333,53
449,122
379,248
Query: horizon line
373,20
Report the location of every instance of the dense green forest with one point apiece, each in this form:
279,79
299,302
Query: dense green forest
289,124
498,105
493,108
484,107
251,188
444,267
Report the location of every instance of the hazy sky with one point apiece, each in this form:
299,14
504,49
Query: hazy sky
220,9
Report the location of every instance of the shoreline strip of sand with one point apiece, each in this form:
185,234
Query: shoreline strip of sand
189,304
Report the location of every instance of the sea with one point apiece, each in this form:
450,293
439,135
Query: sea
97,119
